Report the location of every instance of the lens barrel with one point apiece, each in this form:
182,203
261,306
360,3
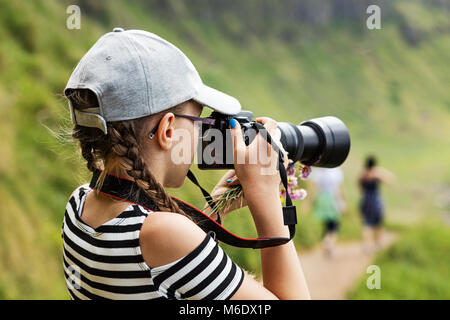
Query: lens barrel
320,142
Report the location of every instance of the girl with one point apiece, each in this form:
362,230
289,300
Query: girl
129,96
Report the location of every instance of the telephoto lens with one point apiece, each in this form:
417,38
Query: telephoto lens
319,142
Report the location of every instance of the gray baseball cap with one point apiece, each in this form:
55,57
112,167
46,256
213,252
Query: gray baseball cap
136,73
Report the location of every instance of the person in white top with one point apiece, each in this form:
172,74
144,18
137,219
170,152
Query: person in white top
328,203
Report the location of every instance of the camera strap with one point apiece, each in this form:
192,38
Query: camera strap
127,190
289,210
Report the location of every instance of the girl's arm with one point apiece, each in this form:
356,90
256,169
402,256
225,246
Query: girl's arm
281,269
167,237
282,273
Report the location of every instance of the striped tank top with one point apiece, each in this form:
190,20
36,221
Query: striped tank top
106,262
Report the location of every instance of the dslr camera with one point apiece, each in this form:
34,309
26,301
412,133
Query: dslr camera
320,142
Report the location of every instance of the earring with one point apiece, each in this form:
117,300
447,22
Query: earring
153,132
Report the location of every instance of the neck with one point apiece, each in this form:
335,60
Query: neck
157,169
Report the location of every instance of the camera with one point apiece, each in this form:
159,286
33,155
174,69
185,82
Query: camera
320,142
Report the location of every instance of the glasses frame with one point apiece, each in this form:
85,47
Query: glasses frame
204,121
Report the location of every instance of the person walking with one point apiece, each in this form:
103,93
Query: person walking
371,205
328,203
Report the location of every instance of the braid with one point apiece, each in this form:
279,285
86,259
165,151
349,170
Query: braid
124,144
86,152
87,145
91,140
121,141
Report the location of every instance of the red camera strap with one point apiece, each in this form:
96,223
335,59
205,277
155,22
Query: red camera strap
127,190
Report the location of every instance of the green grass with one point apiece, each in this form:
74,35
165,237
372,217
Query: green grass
415,267
393,97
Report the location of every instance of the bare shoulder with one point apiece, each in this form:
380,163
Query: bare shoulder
385,175
166,237
77,190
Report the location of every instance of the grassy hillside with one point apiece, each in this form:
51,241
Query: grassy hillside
390,86
413,268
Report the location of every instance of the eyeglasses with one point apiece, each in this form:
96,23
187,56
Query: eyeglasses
204,121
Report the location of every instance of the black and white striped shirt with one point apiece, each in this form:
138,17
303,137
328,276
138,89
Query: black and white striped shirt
106,262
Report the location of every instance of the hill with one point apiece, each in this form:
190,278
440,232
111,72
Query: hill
289,60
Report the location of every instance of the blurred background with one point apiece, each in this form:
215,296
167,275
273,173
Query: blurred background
290,60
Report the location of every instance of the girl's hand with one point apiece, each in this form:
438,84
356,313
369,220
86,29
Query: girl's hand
226,182
256,164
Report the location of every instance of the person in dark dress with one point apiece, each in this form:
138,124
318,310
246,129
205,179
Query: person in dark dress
371,205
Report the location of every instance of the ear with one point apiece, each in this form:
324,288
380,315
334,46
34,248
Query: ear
164,134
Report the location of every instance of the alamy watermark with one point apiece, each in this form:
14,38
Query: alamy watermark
74,277
73,21
374,280
216,147
374,20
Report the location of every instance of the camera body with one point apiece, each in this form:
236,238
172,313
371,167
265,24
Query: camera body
321,142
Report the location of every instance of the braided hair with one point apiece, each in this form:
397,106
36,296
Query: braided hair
121,143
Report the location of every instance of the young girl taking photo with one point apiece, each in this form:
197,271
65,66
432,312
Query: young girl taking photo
128,97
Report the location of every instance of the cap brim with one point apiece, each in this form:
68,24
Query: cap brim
218,101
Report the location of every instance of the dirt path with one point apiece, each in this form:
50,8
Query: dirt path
331,278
